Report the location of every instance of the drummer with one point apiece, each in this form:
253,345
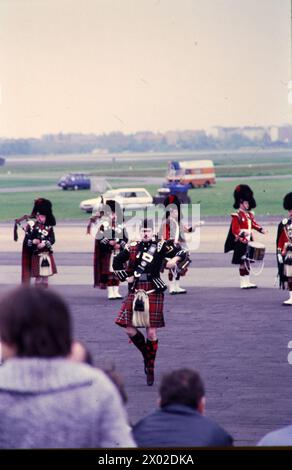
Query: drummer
240,233
284,249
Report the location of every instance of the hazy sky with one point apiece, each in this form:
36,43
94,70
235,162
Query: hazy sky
129,65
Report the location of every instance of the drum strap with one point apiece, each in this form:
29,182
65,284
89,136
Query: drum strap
249,226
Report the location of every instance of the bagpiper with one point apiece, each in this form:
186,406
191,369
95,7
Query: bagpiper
240,232
284,249
37,254
173,229
110,237
143,306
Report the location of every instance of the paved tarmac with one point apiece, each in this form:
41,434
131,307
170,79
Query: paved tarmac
237,339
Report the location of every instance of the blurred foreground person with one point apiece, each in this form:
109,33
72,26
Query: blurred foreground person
80,353
46,399
280,437
179,422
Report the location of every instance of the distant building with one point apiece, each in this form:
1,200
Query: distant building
254,133
225,133
281,133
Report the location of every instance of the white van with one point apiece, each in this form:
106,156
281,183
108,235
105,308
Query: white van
196,173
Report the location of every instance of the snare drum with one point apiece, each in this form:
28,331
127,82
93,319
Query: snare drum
255,251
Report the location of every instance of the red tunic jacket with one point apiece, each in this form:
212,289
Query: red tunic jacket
284,237
242,224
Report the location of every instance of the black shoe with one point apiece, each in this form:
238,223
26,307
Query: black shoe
150,377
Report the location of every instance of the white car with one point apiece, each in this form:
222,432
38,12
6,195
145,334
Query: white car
128,198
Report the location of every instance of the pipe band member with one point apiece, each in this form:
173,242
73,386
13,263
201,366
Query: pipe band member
240,232
110,238
140,264
173,229
38,259
284,249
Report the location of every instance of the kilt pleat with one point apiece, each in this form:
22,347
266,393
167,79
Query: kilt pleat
25,264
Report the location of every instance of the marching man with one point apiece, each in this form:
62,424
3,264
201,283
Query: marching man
284,249
143,306
240,233
173,229
110,238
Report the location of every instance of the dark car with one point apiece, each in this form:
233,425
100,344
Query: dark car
176,189
74,181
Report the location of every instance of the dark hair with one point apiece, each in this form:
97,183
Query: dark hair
36,322
182,386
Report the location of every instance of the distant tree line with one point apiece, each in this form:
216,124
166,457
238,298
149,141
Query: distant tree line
119,142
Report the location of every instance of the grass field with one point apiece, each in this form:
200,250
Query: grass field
218,200
215,201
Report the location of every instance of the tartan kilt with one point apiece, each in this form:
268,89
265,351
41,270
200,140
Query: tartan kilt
156,299
25,264
102,275
35,265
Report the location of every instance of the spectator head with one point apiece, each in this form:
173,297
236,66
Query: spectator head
183,387
118,381
79,353
34,323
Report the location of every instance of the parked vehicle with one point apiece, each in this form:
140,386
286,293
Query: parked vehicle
74,181
196,173
176,189
129,198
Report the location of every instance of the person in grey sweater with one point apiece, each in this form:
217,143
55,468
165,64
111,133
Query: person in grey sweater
47,400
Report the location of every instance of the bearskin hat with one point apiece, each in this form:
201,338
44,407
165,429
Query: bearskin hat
287,202
242,193
44,207
113,206
147,223
172,201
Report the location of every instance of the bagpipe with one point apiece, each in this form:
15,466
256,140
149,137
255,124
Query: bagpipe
18,223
